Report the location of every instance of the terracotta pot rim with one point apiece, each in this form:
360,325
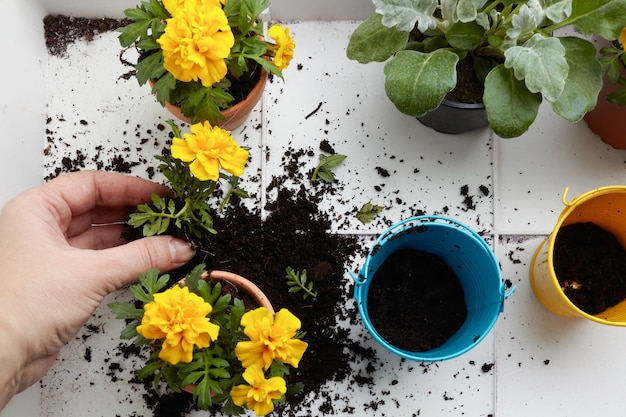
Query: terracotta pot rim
240,283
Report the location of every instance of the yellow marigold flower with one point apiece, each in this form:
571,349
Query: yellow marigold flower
259,394
207,148
196,42
180,319
271,337
284,46
622,39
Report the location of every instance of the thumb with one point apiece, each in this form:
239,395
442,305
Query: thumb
124,263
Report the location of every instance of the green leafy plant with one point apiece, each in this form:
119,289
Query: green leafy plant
614,58
368,211
297,281
221,43
188,209
215,324
517,49
324,169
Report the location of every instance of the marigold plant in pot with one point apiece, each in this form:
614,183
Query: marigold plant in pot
517,50
211,344
196,53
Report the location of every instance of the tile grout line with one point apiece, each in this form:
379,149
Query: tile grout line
495,149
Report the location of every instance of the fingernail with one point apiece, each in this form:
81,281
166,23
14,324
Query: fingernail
180,251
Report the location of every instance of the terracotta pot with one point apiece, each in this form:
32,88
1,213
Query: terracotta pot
236,115
607,120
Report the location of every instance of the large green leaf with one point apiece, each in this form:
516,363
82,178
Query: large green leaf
583,82
600,17
417,83
541,63
405,13
372,41
131,32
511,108
465,36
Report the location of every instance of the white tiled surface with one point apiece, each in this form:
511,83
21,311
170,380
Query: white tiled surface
545,365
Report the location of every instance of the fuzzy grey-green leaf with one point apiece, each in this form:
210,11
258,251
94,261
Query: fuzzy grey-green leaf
417,83
465,36
541,63
511,108
406,13
584,81
600,17
374,42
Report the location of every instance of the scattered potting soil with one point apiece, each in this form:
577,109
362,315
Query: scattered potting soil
415,300
61,31
590,265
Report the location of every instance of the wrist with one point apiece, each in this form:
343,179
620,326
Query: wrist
12,360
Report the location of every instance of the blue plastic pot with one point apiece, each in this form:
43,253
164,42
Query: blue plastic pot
467,254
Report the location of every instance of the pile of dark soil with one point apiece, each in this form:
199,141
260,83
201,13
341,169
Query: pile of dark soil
590,265
416,301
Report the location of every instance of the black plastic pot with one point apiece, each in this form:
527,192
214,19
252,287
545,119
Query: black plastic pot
453,118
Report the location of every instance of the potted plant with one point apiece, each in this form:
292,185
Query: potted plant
203,56
517,51
608,118
211,343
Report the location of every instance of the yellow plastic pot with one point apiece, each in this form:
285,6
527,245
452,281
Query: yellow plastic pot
605,207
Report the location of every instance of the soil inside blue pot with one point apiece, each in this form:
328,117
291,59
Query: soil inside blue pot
416,301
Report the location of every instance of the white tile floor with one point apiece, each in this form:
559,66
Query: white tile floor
545,365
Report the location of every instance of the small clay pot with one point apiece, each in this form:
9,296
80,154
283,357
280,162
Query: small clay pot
236,115
606,119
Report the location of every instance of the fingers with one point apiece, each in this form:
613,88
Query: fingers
84,190
98,216
122,264
99,237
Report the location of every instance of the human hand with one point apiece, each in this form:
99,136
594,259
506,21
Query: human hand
61,253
